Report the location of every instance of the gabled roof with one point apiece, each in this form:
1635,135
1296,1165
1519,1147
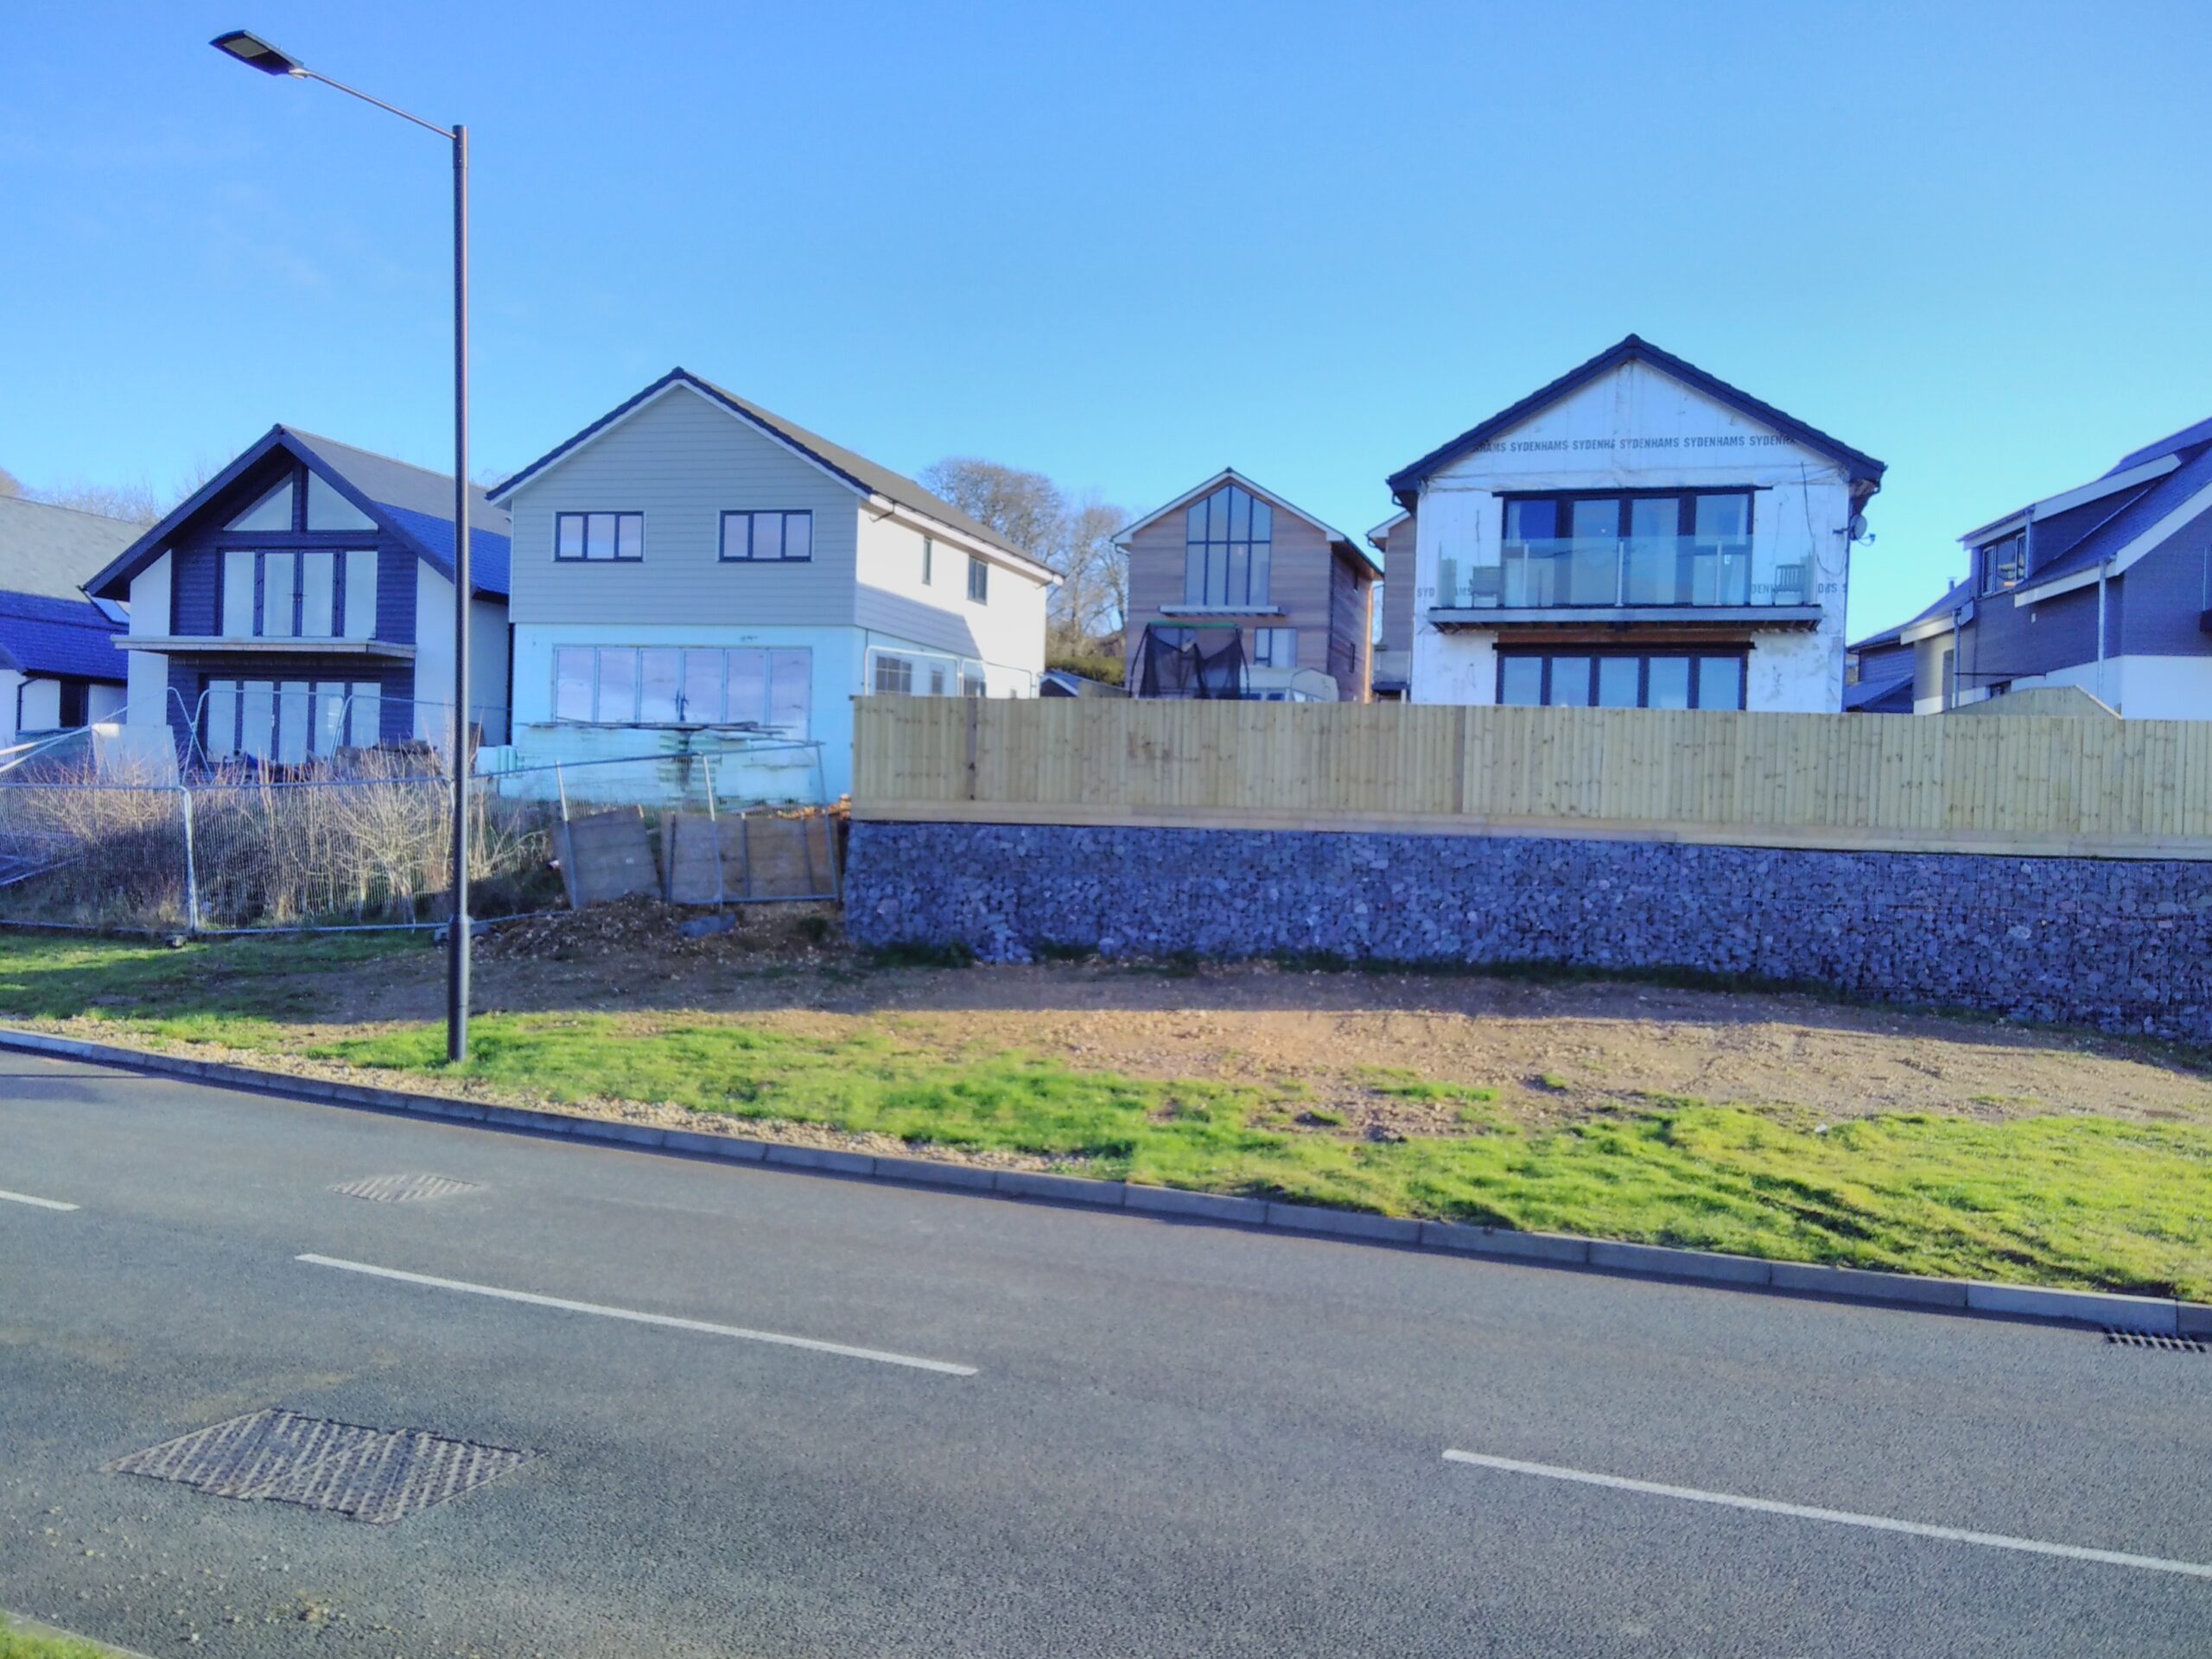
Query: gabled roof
53,551
1859,465
857,471
412,502
1955,598
41,634
1231,475
1381,533
2179,494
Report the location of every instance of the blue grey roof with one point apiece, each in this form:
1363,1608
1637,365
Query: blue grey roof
2188,438
413,502
2138,512
1860,465
1889,695
58,637
1956,597
487,550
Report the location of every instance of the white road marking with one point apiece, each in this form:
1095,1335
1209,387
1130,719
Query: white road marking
637,1318
43,1204
1840,1517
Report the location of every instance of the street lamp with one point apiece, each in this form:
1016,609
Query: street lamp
258,53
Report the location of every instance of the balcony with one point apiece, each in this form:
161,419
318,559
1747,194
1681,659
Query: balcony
1680,578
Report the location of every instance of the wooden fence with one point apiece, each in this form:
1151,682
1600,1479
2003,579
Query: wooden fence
2045,784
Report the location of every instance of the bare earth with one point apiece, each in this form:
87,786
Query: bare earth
1334,1042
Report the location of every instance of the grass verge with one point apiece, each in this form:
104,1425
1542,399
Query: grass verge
18,1643
2073,1200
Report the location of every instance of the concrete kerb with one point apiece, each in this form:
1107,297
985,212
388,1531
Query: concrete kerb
2155,1315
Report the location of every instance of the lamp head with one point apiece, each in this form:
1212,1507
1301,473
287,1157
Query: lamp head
257,53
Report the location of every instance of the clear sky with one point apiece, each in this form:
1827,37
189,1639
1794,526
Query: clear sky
1123,245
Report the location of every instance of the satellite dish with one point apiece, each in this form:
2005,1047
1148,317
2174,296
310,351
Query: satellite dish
1858,526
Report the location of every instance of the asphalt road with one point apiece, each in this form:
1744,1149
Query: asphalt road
1150,1438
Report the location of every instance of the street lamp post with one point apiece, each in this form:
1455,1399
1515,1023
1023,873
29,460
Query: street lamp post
258,53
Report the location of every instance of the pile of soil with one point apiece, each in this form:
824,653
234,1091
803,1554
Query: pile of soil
803,934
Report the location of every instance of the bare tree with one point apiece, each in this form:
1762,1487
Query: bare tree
1074,540
135,501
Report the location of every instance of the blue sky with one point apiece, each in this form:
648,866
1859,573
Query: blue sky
1123,245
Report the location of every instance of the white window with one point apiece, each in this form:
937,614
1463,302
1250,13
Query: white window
219,720
360,593
240,568
894,676
318,595
365,715
683,686
279,575
272,512
599,538
257,720
572,682
327,510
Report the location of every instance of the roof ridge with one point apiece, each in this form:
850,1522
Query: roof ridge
374,455
63,506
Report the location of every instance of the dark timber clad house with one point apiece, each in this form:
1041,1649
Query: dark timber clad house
301,601
2106,587
1228,559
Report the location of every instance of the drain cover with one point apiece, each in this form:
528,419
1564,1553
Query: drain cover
398,1188
2154,1339
375,1475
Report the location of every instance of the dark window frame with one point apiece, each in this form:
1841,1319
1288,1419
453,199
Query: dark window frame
1642,654
1990,563
1264,600
618,557
1687,494
929,560
979,580
298,557
749,514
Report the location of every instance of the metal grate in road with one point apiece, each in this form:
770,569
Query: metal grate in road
2159,1339
374,1475
399,1189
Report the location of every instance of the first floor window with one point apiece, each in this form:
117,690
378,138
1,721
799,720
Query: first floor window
596,538
683,686
979,580
1621,679
1274,647
929,559
1228,545
2005,564
316,593
767,537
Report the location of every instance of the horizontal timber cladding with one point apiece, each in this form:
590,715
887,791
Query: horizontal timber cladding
2123,945
2036,785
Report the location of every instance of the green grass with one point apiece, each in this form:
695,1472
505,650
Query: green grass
24,1644
2066,1200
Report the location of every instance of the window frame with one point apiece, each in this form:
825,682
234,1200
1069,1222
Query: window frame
1687,494
1987,566
1642,656
929,560
1202,553
723,555
257,627
979,580
1269,661
905,671
588,514
684,720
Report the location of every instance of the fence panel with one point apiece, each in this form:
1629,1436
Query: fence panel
2034,783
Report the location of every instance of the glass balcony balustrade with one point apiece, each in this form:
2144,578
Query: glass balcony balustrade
1613,573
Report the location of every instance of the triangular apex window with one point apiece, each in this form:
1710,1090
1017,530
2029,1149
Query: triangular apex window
327,510
272,512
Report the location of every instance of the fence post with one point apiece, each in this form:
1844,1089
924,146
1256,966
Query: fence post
714,831
191,872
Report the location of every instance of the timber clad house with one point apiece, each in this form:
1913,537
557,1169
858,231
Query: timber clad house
1229,574
2105,587
1637,534
58,667
301,601
692,569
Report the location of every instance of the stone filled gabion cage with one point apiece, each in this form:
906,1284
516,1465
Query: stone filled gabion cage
2119,944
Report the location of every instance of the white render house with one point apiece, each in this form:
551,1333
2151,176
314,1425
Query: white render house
1637,534
690,570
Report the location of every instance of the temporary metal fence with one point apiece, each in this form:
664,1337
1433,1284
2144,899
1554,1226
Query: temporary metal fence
363,845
